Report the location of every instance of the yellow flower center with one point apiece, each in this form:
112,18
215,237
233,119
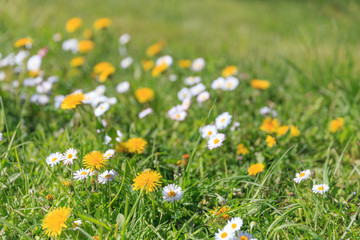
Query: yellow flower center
83,173
223,120
209,133
216,141
108,176
70,156
229,84
54,159
224,235
177,116
233,226
320,188
171,194
244,238
301,175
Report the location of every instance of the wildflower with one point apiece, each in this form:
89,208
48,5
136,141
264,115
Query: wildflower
208,131
123,87
168,60
235,223
336,124
85,46
77,224
269,125
230,83
159,69
183,94
54,159
57,37
235,126
81,174
50,197
124,39
95,159
71,45
103,70
184,63
55,220
145,112
136,145
241,149
109,153
243,235
155,49
148,180
144,95
147,64
260,84
69,156
218,83
256,168
270,141
221,211
172,193
102,23
294,131
198,64
320,188
202,97
223,120
1,136
198,88
185,105
72,100
126,62
229,71
77,61
33,65
299,177
224,234
101,109
216,141
107,176
121,147
66,183
192,80
73,24
172,78
24,42
177,113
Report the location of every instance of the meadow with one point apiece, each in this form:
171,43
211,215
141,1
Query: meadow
179,119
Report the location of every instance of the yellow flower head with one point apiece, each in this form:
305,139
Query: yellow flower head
72,101
148,180
260,84
159,69
136,145
184,63
55,220
73,24
229,71
144,95
23,42
77,61
155,48
270,141
336,124
256,168
86,46
269,125
121,147
103,70
102,23
241,149
280,131
34,73
95,159
221,211
147,64
294,131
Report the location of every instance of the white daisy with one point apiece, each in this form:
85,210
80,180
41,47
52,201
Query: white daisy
82,174
119,137
126,62
172,193
223,120
198,88
124,39
192,80
123,87
2,76
107,139
184,93
179,116
71,45
101,109
34,63
107,176
302,176
218,83
235,223
216,141
172,78
168,60
320,188
77,224
185,105
224,234
109,153
202,97
69,156
243,235
208,131
145,112
230,83
198,64
54,159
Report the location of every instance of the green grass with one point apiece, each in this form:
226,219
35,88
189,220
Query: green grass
308,50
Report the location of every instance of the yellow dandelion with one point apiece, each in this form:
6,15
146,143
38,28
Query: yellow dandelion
136,145
159,69
121,147
155,48
269,125
102,23
260,84
294,131
23,42
73,24
85,46
221,211
256,168
241,149
147,64
148,180
34,73
336,124
103,70
77,61
280,131
72,101
184,63
55,220
144,95
95,159
229,71
270,141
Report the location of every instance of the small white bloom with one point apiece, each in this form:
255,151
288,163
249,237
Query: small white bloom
299,177
235,223
107,139
124,39
71,45
109,153
101,109
192,80
54,159
198,64
119,137
111,100
183,94
123,87
69,156
2,76
82,174
242,235
320,188
34,63
44,87
1,136
198,88
185,105
234,126
218,83
216,141
145,112
107,176
100,90
223,120
202,97
126,62
265,110
224,234
21,56
230,83
208,131
57,37
172,193
172,78
77,224
168,60
177,113
58,100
